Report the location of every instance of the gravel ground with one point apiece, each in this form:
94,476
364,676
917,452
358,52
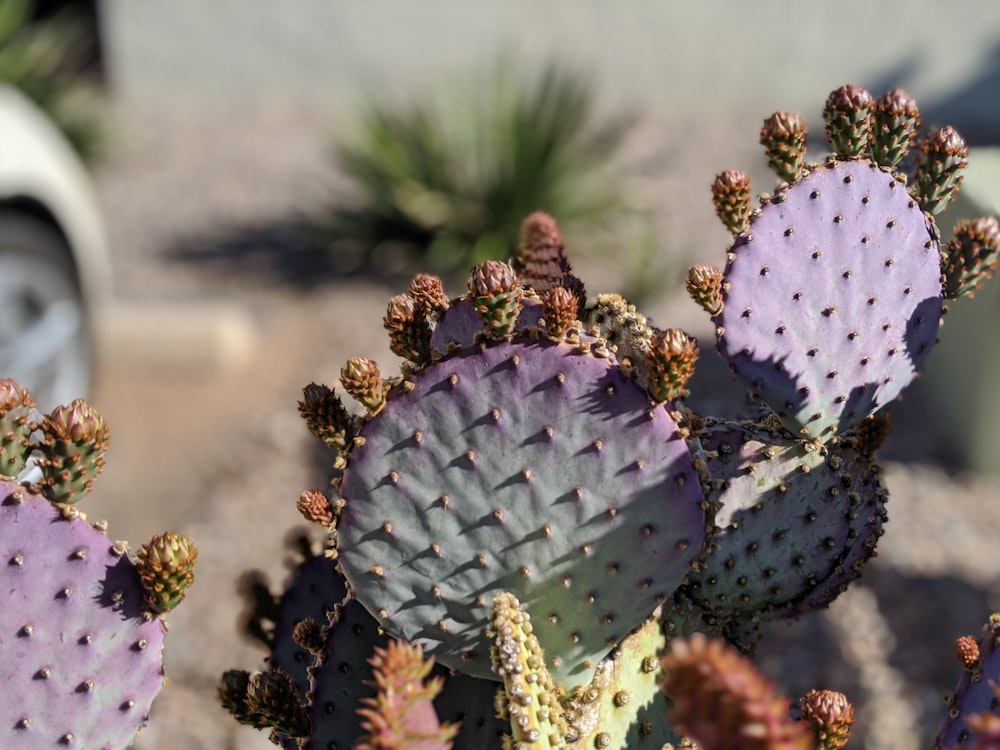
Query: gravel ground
215,204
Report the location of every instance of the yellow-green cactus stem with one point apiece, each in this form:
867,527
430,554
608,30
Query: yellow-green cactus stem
166,568
361,378
731,197
532,702
16,404
75,441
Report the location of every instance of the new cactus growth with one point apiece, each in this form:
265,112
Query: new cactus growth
81,637
531,504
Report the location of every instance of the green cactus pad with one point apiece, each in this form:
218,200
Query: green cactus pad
525,466
797,521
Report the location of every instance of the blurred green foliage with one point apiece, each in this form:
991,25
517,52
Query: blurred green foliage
38,57
448,179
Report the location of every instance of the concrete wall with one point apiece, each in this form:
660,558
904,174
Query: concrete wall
702,56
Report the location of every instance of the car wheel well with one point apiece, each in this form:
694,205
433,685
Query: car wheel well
28,206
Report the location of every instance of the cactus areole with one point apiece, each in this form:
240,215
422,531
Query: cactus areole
525,466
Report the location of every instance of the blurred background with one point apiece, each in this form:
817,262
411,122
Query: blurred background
259,178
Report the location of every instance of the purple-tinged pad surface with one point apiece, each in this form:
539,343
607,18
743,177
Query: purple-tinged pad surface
461,324
798,522
832,298
975,694
525,467
79,664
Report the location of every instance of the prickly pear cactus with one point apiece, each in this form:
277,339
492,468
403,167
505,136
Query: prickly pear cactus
523,465
832,296
81,639
531,503
974,709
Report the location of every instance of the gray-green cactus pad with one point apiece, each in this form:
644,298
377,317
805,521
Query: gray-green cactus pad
797,521
527,467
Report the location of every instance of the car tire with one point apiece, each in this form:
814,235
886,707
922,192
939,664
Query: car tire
44,334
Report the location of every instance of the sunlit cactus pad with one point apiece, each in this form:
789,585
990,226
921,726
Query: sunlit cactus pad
77,651
523,466
832,297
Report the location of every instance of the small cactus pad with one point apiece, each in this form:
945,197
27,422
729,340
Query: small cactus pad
80,659
526,466
797,522
75,441
166,566
976,699
832,297
16,405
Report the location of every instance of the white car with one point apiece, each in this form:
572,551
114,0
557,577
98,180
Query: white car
54,259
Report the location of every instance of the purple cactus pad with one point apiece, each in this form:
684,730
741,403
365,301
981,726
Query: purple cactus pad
832,298
527,467
79,661
976,693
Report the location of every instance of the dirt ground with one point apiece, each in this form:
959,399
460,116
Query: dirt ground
210,209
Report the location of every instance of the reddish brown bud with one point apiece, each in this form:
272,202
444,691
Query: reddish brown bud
542,260
704,284
363,381
316,507
561,308
427,290
409,332
968,652
670,364
722,701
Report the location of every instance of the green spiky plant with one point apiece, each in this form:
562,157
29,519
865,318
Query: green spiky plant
81,626
38,57
449,181
587,560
